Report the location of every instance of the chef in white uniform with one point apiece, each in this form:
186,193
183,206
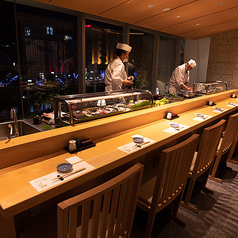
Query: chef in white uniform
180,77
115,74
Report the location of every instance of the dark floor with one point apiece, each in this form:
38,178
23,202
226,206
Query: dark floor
217,214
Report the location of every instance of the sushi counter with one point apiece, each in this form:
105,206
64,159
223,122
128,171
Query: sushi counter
33,157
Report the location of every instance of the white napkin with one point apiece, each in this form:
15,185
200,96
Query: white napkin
47,181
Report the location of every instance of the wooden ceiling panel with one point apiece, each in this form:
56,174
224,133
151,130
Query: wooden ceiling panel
136,10
194,10
208,13
95,7
211,30
204,22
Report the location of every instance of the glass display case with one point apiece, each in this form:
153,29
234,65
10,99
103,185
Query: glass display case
71,109
205,88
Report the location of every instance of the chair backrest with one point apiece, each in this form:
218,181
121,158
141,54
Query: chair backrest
104,211
208,147
230,133
173,170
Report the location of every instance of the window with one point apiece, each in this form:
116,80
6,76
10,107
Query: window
101,41
167,53
9,80
141,57
48,56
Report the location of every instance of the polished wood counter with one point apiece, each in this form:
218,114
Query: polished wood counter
34,160
33,146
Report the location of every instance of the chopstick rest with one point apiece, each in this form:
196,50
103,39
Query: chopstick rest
62,177
140,145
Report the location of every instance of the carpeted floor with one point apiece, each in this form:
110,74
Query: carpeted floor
217,215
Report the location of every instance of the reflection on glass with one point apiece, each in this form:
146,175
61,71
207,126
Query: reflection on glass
141,57
167,50
48,57
101,41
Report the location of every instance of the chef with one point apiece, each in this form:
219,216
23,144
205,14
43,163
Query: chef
180,77
115,74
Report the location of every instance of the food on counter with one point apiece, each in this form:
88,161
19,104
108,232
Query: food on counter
173,97
119,107
48,115
160,102
141,104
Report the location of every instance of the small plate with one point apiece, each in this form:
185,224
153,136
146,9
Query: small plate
174,125
138,139
200,115
64,167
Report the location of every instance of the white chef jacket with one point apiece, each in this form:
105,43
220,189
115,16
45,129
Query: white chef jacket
114,75
178,77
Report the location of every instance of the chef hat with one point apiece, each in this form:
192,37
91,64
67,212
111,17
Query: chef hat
192,63
123,46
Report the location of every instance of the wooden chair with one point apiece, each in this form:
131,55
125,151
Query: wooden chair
202,161
233,148
225,144
106,211
165,184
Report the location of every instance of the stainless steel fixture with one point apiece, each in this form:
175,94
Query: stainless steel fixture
13,115
25,128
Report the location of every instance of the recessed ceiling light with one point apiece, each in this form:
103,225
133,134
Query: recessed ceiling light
166,9
151,6
219,3
178,16
197,24
235,14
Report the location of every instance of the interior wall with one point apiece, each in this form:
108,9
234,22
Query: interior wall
199,51
223,58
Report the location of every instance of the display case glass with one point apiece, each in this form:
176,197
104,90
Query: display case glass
205,88
71,109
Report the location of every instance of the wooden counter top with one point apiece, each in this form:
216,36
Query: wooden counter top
18,195
32,146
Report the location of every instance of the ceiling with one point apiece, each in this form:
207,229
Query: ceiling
186,18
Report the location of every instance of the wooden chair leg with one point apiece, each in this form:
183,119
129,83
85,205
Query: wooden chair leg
215,179
232,161
189,206
149,225
214,169
174,213
204,182
186,201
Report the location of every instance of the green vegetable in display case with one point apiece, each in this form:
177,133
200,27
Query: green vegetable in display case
173,97
141,104
160,102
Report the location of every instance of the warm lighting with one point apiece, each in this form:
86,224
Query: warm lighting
197,24
235,14
178,16
166,9
151,6
219,3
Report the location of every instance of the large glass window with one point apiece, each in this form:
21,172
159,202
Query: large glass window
9,81
167,56
141,58
101,41
48,57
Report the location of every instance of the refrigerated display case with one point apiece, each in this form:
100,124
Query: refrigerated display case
71,109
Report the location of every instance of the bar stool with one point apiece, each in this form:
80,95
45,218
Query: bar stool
202,161
165,184
104,211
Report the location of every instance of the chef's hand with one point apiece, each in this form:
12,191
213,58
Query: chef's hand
130,78
189,88
127,82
